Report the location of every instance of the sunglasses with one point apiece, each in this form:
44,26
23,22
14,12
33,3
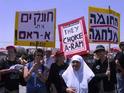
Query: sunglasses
39,55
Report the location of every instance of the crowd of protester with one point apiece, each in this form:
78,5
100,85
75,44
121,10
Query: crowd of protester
43,71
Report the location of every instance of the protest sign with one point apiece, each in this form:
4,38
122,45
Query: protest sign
35,28
73,37
104,25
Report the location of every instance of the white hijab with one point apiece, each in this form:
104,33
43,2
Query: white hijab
78,79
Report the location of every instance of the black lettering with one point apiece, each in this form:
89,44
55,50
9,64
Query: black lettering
116,22
72,46
66,48
72,38
50,15
24,17
65,32
107,19
76,28
104,34
111,20
71,30
110,32
80,35
92,34
97,37
81,43
64,40
22,34
69,39
30,16
37,16
77,44
115,37
37,34
100,19
35,22
29,35
47,35
44,17
92,18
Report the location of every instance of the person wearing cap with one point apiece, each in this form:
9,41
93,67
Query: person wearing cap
55,80
119,60
10,74
77,76
105,73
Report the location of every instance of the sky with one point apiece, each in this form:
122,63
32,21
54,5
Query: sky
66,10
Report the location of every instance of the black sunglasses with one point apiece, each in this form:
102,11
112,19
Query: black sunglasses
39,55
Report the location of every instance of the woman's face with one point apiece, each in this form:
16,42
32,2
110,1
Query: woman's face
38,57
76,65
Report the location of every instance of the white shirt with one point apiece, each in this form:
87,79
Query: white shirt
48,62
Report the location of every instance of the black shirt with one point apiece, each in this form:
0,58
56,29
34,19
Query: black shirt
99,70
120,58
56,78
11,80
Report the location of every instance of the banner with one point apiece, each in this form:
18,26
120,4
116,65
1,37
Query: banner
73,37
35,28
104,25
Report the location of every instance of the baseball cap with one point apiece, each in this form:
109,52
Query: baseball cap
11,47
59,53
99,48
121,44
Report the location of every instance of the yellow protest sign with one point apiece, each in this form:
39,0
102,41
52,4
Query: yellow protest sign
35,28
104,25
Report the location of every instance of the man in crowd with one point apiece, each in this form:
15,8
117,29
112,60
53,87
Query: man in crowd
8,72
105,73
119,59
55,82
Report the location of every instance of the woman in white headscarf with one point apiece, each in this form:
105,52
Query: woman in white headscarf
77,76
